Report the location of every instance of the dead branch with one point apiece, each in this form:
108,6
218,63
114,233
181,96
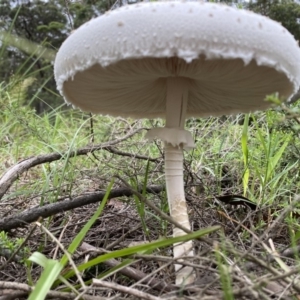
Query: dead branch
15,171
9,294
17,287
122,153
124,289
31,215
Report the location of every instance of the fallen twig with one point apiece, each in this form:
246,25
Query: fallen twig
15,171
122,153
124,289
31,215
16,286
133,273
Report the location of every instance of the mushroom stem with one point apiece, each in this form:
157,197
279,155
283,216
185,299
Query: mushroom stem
177,96
178,209
176,139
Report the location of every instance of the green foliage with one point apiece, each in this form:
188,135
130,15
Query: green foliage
286,12
12,110
262,7
265,159
9,245
30,30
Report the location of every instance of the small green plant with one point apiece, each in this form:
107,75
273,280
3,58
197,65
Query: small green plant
9,247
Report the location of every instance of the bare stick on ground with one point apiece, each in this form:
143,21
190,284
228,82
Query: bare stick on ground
124,289
17,287
132,272
31,215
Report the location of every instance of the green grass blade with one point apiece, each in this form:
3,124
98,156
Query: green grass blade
275,159
52,269
146,178
245,152
143,248
80,236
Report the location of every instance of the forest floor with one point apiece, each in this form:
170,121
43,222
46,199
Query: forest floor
233,259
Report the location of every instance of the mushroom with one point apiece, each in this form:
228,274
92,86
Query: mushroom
175,60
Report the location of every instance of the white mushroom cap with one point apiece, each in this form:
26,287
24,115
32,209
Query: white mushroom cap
118,63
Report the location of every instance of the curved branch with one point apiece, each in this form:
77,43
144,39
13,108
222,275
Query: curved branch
121,153
15,171
15,288
31,215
